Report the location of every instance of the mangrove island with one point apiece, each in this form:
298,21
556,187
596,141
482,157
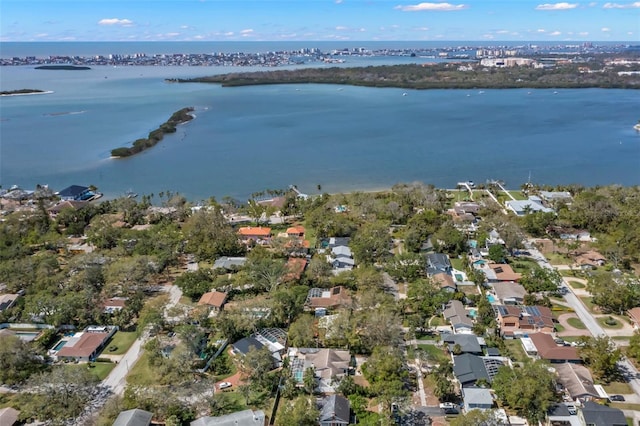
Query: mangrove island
182,116
434,76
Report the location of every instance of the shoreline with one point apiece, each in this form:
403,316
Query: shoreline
45,92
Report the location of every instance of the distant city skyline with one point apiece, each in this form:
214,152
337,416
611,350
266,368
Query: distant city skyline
318,20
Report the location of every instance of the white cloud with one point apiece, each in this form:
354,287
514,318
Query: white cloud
422,28
184,27
116,21
584,33
634,5
341,28
228,33
502,32
555,33
362,30
172,34
247,31
556,6
488,36
339,1
198,37
541,30
605,29
443,7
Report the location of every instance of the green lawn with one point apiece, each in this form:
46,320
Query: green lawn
576,323
558,259
576,284
516,350
102,369
434,353
614,388
603,322
457,263
517,195
122,341
559,328
142,374
588,302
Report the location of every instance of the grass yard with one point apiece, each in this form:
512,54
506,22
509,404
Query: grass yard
434,353
559,328
614,388
142,374
558,259
603,322
516,350
517,195
102,369
588,302
576,284
122,341
576,323
457,263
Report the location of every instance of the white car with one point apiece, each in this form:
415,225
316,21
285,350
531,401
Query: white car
447,405
224,385
572,410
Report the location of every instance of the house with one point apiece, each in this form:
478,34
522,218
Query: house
114,304
7,300
255,235
438,262
341,258
567,234
524,207
468,369
576,380
239,418
477,399
466,207
509,293
335,410
213,299
468,343
8,416
457,315
633,313
445,282
229,263
554,196
85,345
558,415
295,268
594,414
273,338
332,298
547,349
591,259
75,193
66,204
244,345
296,231
328,365
514,320
135,417
501,272
329,243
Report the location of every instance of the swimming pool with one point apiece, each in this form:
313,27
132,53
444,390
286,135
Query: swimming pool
491,298
59,346
473,313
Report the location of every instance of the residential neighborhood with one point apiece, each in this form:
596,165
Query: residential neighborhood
411,306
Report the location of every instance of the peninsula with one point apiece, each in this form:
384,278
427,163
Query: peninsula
63,67
20,92
181,116
434,76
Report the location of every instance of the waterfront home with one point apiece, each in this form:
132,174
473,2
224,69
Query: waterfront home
76,193
555,196
524,207
255,235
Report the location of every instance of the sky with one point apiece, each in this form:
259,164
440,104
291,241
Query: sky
317,20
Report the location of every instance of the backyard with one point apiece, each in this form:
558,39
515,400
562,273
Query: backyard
120,343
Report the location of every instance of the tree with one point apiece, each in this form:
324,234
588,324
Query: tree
18,360
301,332
539,279
406,266
443,376
602,355
371,243
478,418
634,346
533,394
255,366
195,283
302,411
497,253
267,273
309,380
449,239
614,293
210,236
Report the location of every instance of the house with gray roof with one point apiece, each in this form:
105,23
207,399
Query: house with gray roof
135,417
229,263
239,418
438,262
335,410
577,381
477,399
594,414
8,416
457,315
524,207
468,343
469,368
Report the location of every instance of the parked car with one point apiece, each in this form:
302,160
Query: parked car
447,405
616,397
224,385
572,410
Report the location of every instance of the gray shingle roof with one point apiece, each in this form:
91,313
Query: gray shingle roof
601,415
135,417
335,410
239,418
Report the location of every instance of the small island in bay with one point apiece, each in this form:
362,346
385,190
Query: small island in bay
179,117
63,67
432,76
20,92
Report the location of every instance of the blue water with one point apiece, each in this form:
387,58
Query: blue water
343,138
60,344
491,298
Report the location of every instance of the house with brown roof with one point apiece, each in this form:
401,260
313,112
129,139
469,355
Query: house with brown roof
295,268
458,316
444,281
113,304
67,204
85,345
296,231
509,293
576,380
546,348
328,298
9,416
503,272
591,259
634,314
514,320
329,365
214,300
255,234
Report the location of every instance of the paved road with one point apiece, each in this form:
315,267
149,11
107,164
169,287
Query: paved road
628,370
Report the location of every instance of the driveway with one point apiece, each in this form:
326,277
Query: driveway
570,330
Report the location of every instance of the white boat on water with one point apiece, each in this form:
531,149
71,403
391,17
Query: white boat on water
130,193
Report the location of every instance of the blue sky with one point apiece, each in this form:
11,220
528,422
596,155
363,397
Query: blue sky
357,20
